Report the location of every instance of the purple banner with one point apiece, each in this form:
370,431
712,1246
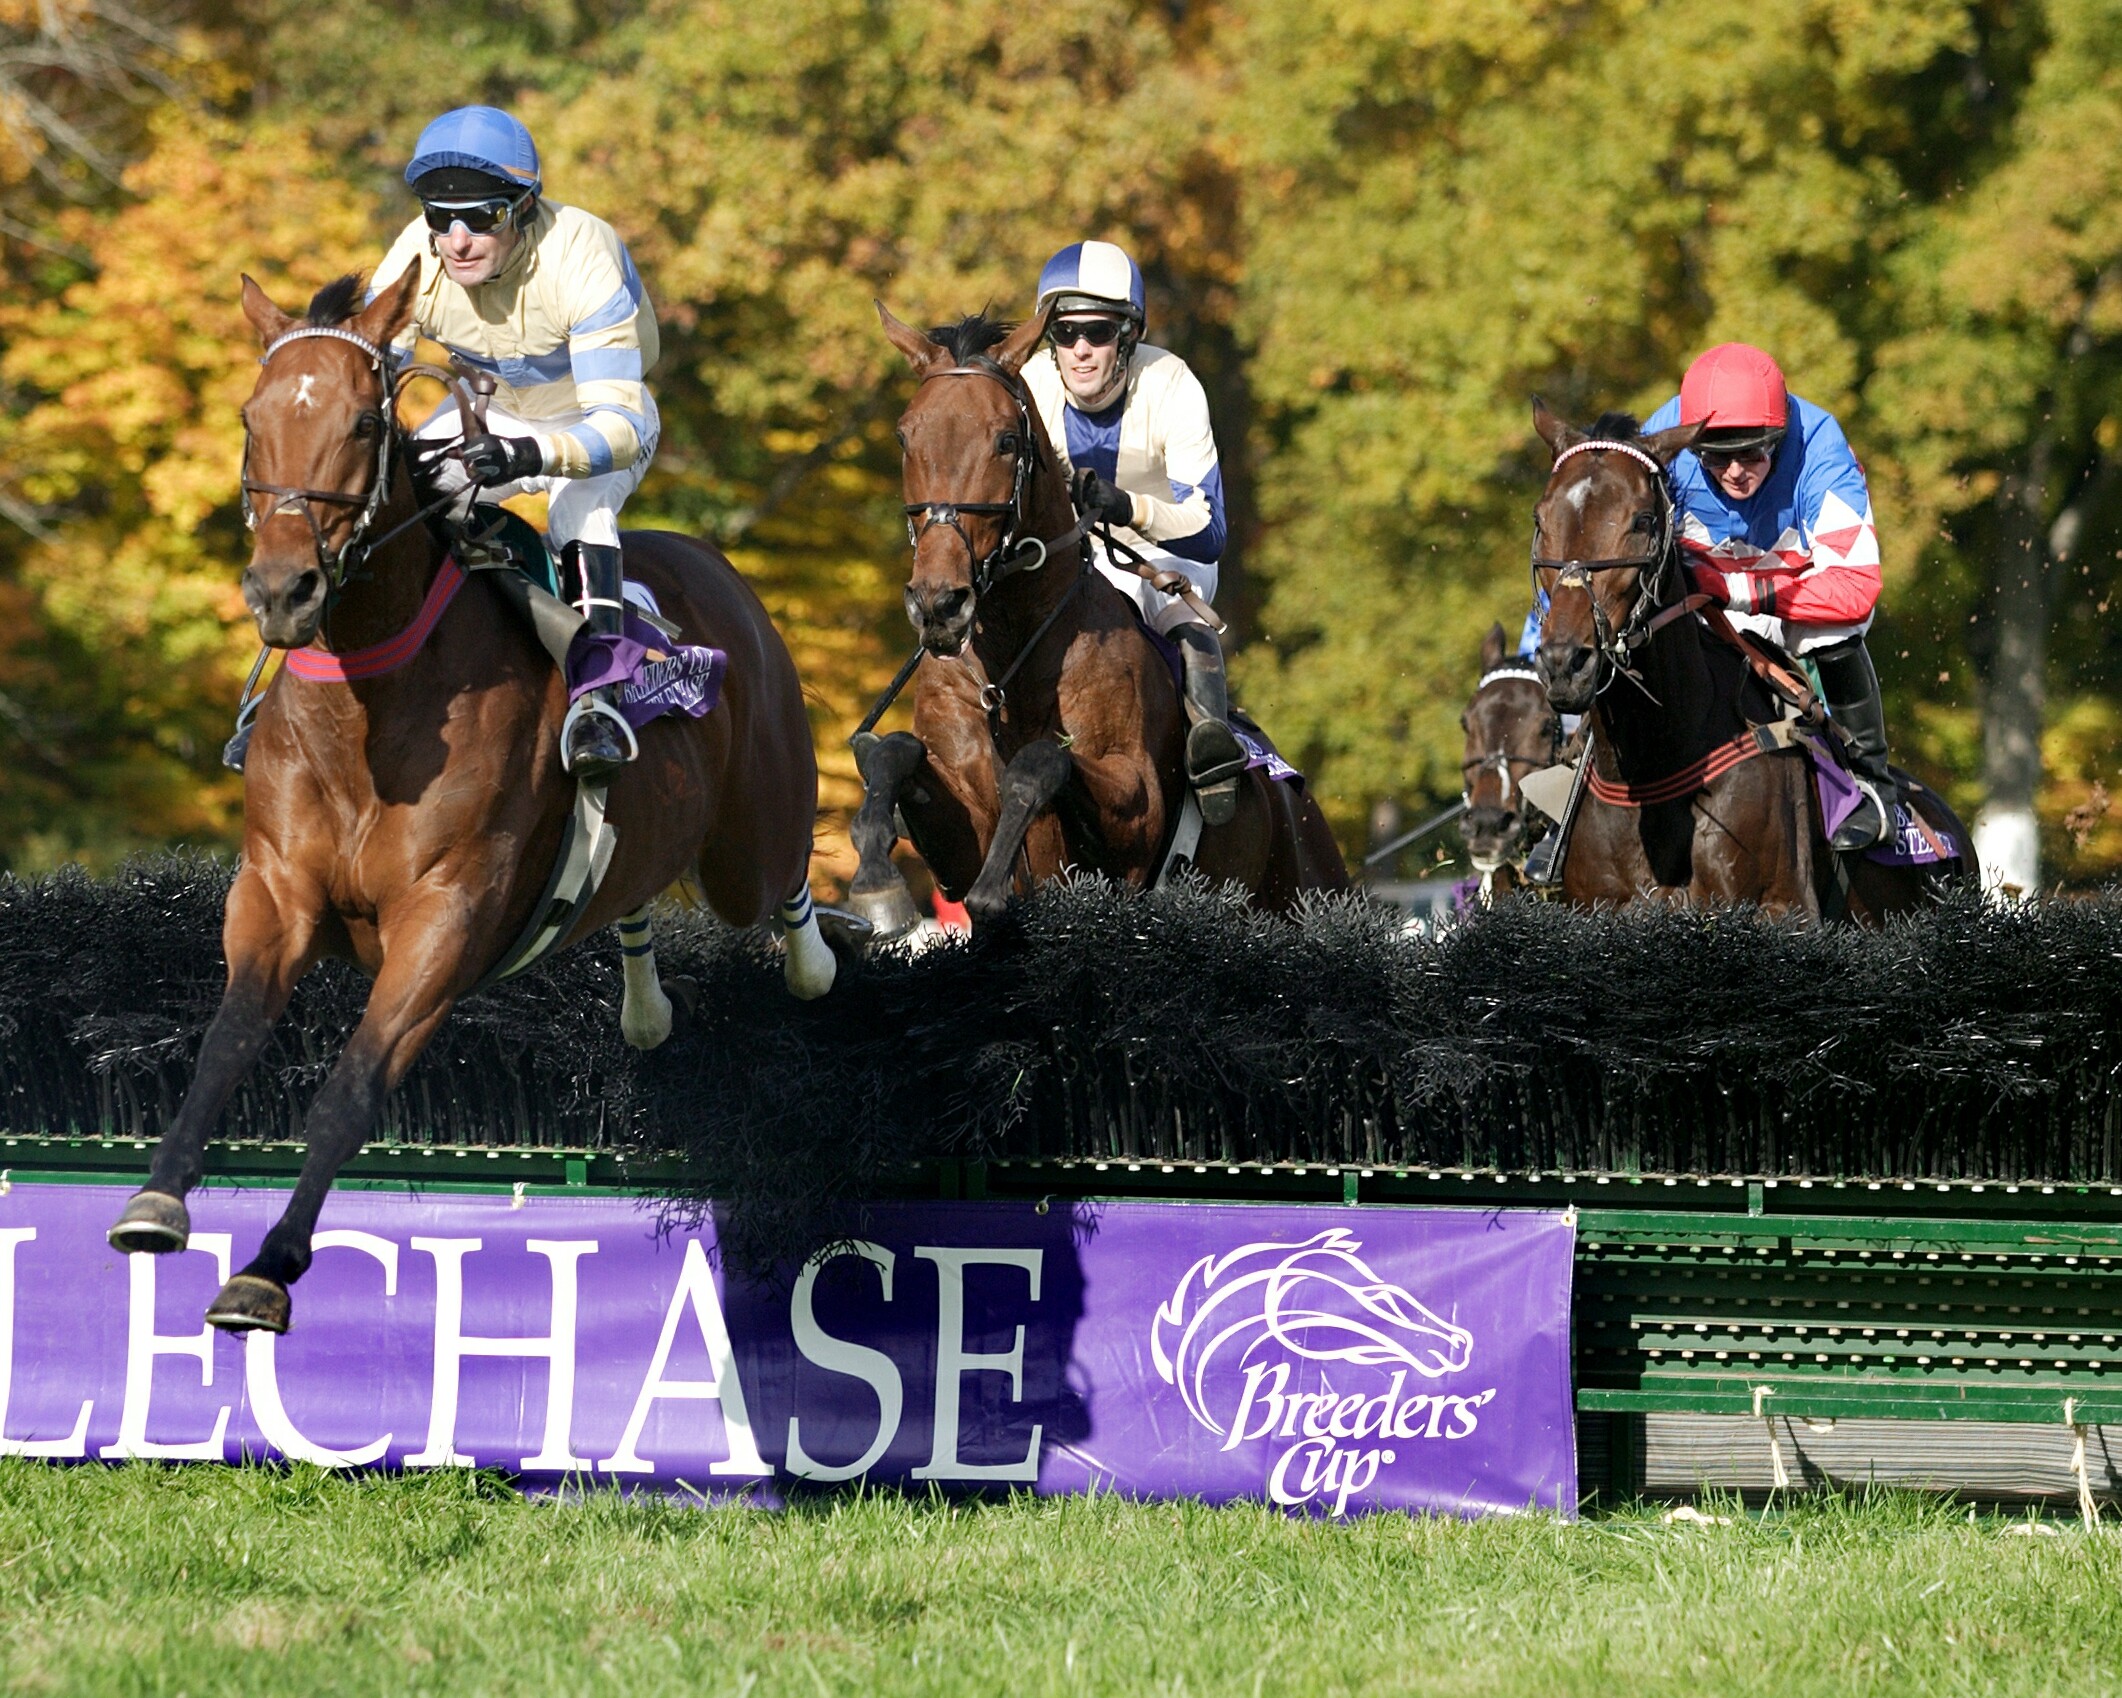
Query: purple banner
1331,1360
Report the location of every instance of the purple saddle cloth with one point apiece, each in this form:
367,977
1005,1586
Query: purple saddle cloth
1259,752
653,675
1907,847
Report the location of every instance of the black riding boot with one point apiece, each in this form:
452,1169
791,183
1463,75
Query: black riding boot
596,741
1214,757
1852,690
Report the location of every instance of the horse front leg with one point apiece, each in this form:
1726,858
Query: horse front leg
270,945
1030,785
878,893
427,965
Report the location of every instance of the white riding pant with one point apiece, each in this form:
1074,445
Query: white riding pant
1161,613
577,509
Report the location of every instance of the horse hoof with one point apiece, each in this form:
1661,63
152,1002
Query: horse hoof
250,1303
684,994
852,927
887,911
153,1224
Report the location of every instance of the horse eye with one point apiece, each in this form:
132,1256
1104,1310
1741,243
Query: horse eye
1006,443
901,435
368,425
1645,522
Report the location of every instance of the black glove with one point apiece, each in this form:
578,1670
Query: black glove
1103,501
494,460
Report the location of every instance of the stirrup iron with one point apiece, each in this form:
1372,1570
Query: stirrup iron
593,704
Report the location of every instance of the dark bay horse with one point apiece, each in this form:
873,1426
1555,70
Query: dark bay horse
1048,732
1512,731
1713,811
409,820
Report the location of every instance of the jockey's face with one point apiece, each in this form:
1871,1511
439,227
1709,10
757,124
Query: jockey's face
1087,371
1740,475
470,259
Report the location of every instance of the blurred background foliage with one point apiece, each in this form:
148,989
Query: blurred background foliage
1374,227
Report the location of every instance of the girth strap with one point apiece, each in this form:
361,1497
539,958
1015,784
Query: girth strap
578,870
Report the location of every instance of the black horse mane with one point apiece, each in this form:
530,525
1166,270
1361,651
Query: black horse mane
973,334
1616,427
336,302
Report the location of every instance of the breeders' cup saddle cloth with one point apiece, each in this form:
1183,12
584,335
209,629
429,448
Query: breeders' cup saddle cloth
653,674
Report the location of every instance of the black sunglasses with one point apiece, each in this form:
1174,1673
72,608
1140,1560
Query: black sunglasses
480,217
1753,454
1098,332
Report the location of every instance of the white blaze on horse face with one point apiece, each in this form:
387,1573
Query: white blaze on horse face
303,386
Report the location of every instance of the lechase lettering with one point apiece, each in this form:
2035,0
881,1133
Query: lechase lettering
1162,1350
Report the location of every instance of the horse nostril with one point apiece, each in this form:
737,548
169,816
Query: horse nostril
305,589
949,605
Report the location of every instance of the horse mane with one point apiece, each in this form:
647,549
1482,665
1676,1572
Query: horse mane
1616,427
336,302
973,334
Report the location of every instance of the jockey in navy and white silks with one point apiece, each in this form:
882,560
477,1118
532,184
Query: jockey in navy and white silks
1776,525
545,298
1130,423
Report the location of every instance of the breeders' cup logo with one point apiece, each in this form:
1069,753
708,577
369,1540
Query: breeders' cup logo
1238,1330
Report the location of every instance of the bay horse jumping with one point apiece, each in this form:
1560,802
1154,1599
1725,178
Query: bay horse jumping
1715,810
1512,731
1048,730
409,819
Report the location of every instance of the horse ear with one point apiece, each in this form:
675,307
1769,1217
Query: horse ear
1667,443
392,309
922,354
1492,648
1021,342
268,320
1553,431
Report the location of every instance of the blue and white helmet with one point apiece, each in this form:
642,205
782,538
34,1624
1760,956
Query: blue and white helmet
1093,277
481,139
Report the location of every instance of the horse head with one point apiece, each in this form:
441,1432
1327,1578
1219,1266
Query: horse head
1318,1301
317,438
1603,543
1511,729
973,445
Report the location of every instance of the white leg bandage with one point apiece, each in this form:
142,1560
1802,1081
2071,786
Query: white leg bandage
808,966
645,1016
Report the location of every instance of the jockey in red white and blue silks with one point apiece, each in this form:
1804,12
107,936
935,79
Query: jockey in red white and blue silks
1776,526
1130,423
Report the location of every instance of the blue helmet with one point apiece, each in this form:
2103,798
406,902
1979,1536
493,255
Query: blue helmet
1093,277
477,138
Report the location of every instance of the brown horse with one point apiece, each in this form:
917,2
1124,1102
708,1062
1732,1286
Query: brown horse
409,820
1512,731
1048,732
1716,811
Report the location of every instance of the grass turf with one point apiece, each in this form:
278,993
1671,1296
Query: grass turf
255,1581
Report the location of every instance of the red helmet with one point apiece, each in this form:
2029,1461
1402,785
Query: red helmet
1738,392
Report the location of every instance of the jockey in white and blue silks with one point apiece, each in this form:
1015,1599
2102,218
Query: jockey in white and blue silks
1776,526
546,299
1130,423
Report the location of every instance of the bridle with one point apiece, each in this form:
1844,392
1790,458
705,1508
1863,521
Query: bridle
1617,647
338,564
1010,555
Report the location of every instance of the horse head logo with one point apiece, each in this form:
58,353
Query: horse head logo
1318,1300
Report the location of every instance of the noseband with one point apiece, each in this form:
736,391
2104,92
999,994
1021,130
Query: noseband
1618,648
1009,555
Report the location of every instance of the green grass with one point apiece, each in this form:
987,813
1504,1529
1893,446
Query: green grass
206,1580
